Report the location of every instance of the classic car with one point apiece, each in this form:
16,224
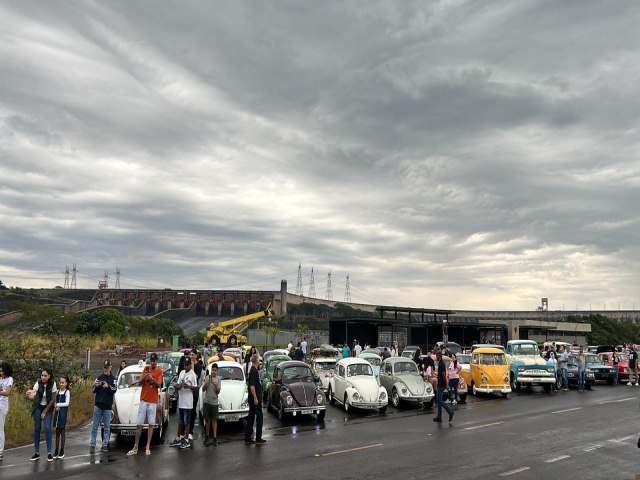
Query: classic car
354,385
601,371
403,383
374,359
326,350
453,346
277,351
572,374
126,401
215,358
623,364
409,350
294,391
527,367
232,399
463,388
490,372
236,353
267,370
324,368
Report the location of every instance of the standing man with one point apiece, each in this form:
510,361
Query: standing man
345,350
633,366
151,381
211,389
104,388
616,361
582,366
187,382
443,384
357,350
197,369
255,404
303,346
563,362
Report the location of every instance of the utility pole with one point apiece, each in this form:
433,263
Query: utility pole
74,285
347,291
312,286
329,293
117,278
66,277
299,290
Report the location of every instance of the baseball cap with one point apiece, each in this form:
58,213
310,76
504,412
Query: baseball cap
107,364
154,356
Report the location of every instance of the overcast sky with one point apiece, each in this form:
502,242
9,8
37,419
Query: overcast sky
463,155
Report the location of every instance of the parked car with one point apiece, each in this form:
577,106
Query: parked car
623,364
294,391
277,351
572,374
527,367
601,371
232,399
268,369
409,350
236,353
126,401
489,372
487,345
403,383
374,359
324,368
453,346
354,385
463,386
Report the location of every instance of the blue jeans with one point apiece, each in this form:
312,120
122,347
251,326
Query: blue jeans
441,404
37,424
565,379
580,379
615,373
99,414
453,389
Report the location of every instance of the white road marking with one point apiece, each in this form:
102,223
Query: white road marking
623,439
513,472
7,466
482,426
592,447
349,450
618,401
568,410
561,457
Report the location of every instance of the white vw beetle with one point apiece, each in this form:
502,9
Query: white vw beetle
232,399
126,401
354,385
324,368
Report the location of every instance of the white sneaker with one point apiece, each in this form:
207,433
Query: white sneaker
636,384
629,384
190,437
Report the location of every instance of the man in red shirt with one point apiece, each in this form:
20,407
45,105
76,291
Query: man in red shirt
151,381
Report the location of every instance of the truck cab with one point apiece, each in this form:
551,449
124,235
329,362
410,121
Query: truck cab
527,367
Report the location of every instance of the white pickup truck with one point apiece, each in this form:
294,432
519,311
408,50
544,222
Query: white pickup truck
527,367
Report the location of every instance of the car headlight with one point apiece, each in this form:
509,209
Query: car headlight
429,388
382,396
404,390
521,369
245,404
506,379
626,370
485,380
320,398
590,375
571,375
355,396
289,400
550,369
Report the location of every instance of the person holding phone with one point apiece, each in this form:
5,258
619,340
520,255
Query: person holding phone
104,387
151,381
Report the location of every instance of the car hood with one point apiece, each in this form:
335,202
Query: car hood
304,393
599,366
232,394
367,387
414,383
531,361
127,401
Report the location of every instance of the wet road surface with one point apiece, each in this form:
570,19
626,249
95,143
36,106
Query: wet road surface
530,435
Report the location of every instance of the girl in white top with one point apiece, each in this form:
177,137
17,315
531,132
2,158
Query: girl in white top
6,385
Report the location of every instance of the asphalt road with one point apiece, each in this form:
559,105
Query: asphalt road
530,435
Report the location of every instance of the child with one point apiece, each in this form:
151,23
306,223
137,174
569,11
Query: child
187,383
60,416
211,389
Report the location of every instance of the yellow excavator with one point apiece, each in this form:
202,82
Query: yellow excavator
230,333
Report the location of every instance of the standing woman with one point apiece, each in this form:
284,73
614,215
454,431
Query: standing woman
44,397
63,397
454,378
6,385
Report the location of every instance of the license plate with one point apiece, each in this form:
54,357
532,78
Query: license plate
307,412
128,433
231,418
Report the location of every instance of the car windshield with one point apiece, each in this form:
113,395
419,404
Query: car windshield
297,374
325,365
464,359
526,349
405,367
375,361
230,373
623,358
593,359
359,369
272,364
492,359
128,379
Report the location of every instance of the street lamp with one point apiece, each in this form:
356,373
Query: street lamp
445,331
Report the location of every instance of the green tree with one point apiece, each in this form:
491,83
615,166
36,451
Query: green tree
271,329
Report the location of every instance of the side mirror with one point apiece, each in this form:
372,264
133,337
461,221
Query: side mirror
171,390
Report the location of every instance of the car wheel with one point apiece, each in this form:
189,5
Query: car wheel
383,409
332,399
473,388
463,398
346,403
320,416
547,388
269,406
504,395
589,385
157,434
395,398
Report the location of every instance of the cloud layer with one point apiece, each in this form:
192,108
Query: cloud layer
448,154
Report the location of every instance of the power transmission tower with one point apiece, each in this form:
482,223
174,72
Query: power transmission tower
329,293
117,277
66,277
312,286
299,290
347,291
74,285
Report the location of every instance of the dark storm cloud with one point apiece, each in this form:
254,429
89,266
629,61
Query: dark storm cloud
451,153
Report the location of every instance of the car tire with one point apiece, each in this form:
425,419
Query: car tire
119,439
346,403
332,399
505,395
281,413
269,406
474,389
547,388
383,410
320,416
463,398
515,385
395,398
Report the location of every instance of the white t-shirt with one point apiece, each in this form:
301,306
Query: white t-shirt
185,395
357,349
303,346
5,384
54,390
